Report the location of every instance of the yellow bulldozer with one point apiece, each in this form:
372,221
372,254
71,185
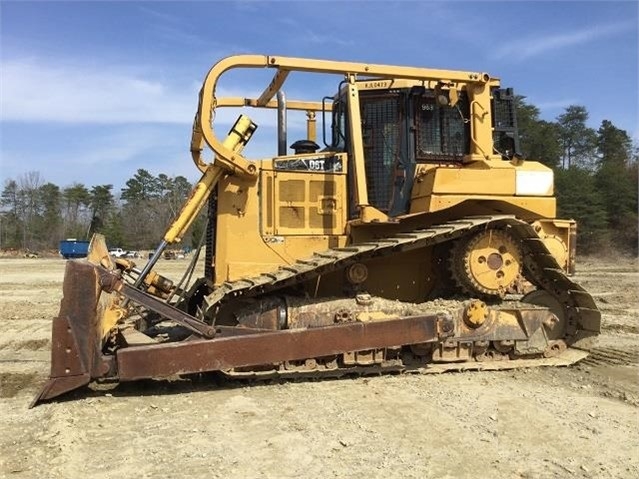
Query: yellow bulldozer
414,238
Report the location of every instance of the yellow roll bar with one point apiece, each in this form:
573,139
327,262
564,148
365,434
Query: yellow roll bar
235,163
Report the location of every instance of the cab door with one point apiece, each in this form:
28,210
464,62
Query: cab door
389,167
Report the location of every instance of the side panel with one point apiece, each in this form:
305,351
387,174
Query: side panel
464,180
239,248
296,203
280,218
521,189
451,206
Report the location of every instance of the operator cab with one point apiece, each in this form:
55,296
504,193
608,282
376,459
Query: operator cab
405,124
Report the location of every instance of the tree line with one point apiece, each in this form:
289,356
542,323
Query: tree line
596,174
37,214
596,183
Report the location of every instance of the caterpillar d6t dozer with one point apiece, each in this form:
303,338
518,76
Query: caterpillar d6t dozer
416,238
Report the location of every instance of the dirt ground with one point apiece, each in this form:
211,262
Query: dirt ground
579,421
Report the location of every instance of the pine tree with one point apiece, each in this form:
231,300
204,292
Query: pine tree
48,228
578,198
10,202
578,140
616,179
539,140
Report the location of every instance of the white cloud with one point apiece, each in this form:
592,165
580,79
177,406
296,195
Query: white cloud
102,150
312,33
538,44
37,91
121,146
112,153
324,40
173,28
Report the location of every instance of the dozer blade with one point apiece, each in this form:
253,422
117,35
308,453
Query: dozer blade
76,340
77,357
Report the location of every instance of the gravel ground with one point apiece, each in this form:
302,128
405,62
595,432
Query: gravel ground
579,421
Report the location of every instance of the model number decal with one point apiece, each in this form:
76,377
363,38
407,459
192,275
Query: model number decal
316,165
331,164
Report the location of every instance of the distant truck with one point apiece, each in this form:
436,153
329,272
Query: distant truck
117,252
73,248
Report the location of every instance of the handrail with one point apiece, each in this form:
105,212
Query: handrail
472,130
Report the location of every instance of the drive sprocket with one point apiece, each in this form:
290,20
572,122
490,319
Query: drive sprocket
487,264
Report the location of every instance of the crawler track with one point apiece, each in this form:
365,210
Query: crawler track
281,372
540,268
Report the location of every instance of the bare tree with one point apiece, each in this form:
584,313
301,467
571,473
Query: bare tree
29,192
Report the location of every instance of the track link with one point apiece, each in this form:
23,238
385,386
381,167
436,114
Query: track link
279,372
337,258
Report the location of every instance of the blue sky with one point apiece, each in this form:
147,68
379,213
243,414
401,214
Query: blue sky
92,91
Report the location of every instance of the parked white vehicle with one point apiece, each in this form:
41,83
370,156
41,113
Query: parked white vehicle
117,252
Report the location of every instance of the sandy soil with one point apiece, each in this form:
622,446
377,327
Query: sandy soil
579,421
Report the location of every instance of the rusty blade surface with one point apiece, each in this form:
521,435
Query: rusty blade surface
288,345
75,341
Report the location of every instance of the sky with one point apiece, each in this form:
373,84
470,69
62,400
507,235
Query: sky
92,91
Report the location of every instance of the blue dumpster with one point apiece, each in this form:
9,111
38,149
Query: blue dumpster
71,248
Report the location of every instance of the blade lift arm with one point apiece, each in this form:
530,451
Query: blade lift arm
238,137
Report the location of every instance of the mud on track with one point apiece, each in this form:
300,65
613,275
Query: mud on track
580,421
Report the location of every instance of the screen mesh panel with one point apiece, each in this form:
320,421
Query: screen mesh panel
381,137
442,132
